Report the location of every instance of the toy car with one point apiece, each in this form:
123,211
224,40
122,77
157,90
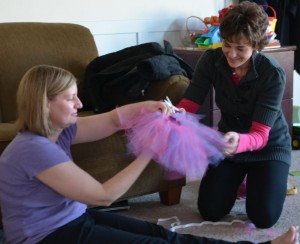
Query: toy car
296,136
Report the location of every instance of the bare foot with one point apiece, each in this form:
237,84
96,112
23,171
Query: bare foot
289,237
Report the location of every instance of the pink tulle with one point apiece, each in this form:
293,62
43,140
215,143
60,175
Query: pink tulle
180,143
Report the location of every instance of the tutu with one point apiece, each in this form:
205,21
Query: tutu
180,143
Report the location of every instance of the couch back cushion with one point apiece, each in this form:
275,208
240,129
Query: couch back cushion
26,44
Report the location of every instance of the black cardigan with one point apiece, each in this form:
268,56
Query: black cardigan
257,98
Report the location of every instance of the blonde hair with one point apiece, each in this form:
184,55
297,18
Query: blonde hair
40,84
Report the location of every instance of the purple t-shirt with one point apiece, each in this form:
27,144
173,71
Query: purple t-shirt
30,209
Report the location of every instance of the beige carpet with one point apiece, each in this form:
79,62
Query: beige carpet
232,228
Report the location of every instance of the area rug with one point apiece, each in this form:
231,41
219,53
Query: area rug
184,217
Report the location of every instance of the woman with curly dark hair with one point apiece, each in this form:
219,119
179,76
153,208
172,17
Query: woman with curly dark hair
248,88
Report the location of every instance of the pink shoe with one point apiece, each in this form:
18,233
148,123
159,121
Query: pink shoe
241,194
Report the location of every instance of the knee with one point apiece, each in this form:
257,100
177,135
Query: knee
210,213
263,219
263,223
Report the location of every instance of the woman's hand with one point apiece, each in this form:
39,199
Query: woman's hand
232,139
168,108
154,106
128,112
181,110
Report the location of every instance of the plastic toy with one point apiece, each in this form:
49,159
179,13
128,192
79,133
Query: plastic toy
291,189
210,38
296,136
270,32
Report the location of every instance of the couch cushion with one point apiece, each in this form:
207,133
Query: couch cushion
24,45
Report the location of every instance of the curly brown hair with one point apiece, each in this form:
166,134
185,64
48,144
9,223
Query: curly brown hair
246,19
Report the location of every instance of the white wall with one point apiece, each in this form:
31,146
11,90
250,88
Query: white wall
115,24
96,10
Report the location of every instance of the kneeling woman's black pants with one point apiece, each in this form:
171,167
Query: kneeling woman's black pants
266,188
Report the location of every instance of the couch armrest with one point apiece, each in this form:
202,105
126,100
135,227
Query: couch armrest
7,132
173,87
